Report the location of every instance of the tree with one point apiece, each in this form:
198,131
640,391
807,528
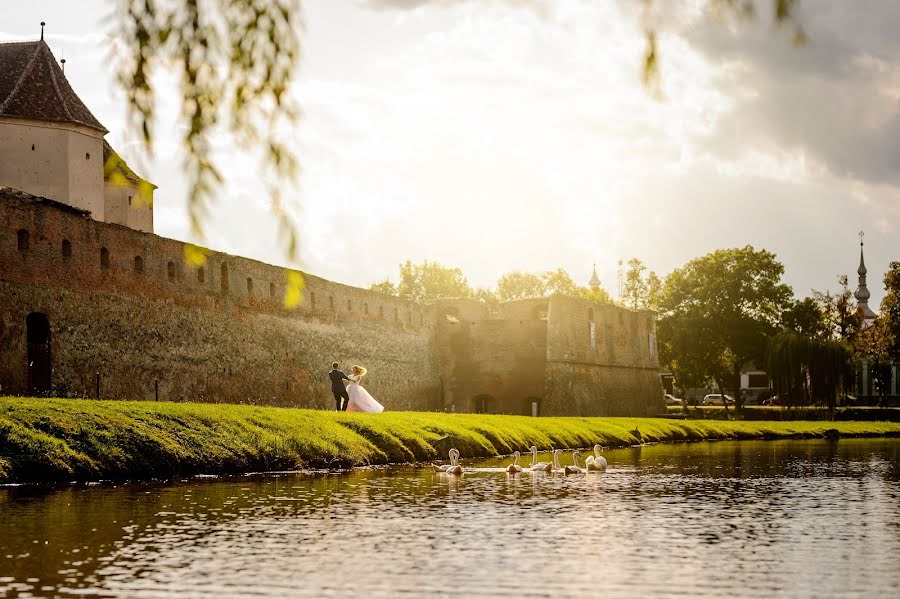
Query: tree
841,318
805,317
520,285
385,287
717,312
640,292
598,295
805,369
235,59
430,281
559,282
635,287
890,311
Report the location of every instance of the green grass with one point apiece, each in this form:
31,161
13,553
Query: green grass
68,439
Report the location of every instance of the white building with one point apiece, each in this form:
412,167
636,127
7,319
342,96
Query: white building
52,146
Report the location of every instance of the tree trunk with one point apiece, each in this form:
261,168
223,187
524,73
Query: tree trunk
738,400
724,401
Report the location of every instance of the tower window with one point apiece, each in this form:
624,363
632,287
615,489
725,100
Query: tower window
249,285
104,258
87,156
66,248
171,268
201,275
129,200
22,240
32,147
272,290
138,265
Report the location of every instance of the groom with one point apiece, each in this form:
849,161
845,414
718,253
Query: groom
338,389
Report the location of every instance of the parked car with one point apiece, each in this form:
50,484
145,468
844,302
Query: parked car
772,401
715,399
671,400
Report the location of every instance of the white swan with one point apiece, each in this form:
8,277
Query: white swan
538,466
575,468
444,467
454,469
596,462
514,467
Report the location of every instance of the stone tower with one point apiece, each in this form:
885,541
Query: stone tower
52,146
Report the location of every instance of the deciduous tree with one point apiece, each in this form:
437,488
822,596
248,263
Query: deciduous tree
717,312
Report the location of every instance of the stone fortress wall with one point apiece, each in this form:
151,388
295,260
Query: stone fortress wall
126,305
556,356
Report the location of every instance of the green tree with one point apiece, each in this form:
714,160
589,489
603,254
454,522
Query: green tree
805,369
520,285
430,281
559,282
806,318
842,320
718,311
385,287
890,311
635,291
598,295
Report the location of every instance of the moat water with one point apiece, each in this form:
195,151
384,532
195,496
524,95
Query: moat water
741,519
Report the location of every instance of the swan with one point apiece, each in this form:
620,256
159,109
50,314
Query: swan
557,467
575,468
538,466
596,462
444,467
514,467
454,469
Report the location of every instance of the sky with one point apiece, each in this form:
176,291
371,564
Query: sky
500,135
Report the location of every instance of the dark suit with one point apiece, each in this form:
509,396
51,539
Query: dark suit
339,390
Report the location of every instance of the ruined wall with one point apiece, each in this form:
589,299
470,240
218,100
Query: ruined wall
613,371
490,364
125,304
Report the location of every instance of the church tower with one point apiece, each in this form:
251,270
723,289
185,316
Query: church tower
594,283
862,294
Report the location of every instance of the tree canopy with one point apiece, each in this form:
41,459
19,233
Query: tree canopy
717,313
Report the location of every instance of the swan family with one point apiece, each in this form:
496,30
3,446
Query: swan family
593,463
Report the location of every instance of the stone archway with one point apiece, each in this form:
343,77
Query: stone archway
39,362
484,404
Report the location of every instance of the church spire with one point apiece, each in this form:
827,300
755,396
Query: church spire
594,283
862,294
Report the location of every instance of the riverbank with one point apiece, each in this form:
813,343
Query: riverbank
785,413
75,439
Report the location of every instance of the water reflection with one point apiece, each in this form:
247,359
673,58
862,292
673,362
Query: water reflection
746,519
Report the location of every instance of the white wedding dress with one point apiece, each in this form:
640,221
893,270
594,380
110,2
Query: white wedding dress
360,400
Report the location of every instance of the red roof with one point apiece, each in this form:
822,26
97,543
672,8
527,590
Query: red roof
33,86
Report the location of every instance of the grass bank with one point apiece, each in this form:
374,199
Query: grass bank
789,413
68,439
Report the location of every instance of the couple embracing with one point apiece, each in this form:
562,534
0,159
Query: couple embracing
351,396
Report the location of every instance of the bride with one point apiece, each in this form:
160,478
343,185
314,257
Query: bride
360,400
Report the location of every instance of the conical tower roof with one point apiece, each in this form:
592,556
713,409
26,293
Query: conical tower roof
33,86
594,283
862,294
